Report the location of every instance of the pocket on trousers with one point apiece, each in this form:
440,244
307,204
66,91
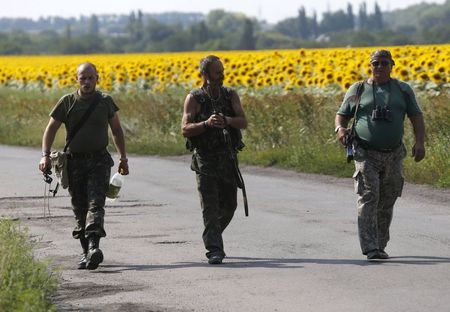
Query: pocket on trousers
358,182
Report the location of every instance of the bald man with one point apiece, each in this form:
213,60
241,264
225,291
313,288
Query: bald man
89,162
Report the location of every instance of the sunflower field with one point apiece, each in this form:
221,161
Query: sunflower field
290,98
282,69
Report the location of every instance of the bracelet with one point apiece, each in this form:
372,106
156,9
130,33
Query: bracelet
45,154
123,159
205,124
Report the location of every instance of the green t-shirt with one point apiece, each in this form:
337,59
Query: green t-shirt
93,135
381,134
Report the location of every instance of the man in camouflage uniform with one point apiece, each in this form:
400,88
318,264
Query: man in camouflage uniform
208,111
89,162
378,150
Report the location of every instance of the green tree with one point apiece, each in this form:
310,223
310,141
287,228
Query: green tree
334,22
350,17
67,33
199,33
93,26
303,27
362,16
139,27
314,26
156,31
287,27
247,40
377,19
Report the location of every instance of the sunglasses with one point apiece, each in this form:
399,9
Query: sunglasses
382,63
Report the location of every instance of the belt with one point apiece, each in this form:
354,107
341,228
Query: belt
210,153
86,155
365,145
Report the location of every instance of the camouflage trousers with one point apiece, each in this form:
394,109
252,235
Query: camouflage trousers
218,199
88,182
378,182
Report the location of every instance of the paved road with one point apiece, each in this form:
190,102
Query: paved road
298,250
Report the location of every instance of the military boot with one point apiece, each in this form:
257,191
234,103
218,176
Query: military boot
94,255
85,245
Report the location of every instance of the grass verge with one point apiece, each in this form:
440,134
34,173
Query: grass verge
25,283
293,130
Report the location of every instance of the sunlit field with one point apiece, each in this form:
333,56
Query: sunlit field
290,98
428,66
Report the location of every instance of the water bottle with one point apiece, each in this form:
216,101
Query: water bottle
115,185
349,149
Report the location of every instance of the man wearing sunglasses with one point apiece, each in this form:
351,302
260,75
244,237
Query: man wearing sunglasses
378,107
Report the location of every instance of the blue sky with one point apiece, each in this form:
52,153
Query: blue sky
271,11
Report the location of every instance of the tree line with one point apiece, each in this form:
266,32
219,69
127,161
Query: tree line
221,30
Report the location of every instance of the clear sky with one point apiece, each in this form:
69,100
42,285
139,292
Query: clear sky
269,10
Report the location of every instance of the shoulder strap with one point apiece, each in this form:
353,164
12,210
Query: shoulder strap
199,95
83,119
359,91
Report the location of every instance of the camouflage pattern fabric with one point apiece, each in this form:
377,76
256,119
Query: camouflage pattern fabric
218,199
214,169
378,182
88,182
215,165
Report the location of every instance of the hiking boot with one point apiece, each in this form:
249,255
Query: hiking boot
215,259
373,255
383,254
95,255
82,263
85,246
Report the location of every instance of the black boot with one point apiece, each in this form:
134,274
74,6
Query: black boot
85,245
95,255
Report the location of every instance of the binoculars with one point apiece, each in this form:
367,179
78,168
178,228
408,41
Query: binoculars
381,114
47,178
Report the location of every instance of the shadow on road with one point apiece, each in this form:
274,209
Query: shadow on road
275,263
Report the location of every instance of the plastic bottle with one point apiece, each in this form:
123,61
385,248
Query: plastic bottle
115,184
349,153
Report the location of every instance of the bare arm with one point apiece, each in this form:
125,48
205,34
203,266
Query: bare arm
189,127
47,142
418,150
341,122
119,142
239,120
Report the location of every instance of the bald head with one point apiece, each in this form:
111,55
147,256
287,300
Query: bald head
87,79
86,66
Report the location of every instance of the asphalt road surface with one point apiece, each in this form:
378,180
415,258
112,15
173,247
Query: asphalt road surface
297,251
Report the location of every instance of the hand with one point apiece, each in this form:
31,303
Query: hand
45,164
342,134
123,166
217,121
418,152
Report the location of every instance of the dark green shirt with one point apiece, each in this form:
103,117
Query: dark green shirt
93,135
381,134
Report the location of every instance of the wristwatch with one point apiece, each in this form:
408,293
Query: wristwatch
337,129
